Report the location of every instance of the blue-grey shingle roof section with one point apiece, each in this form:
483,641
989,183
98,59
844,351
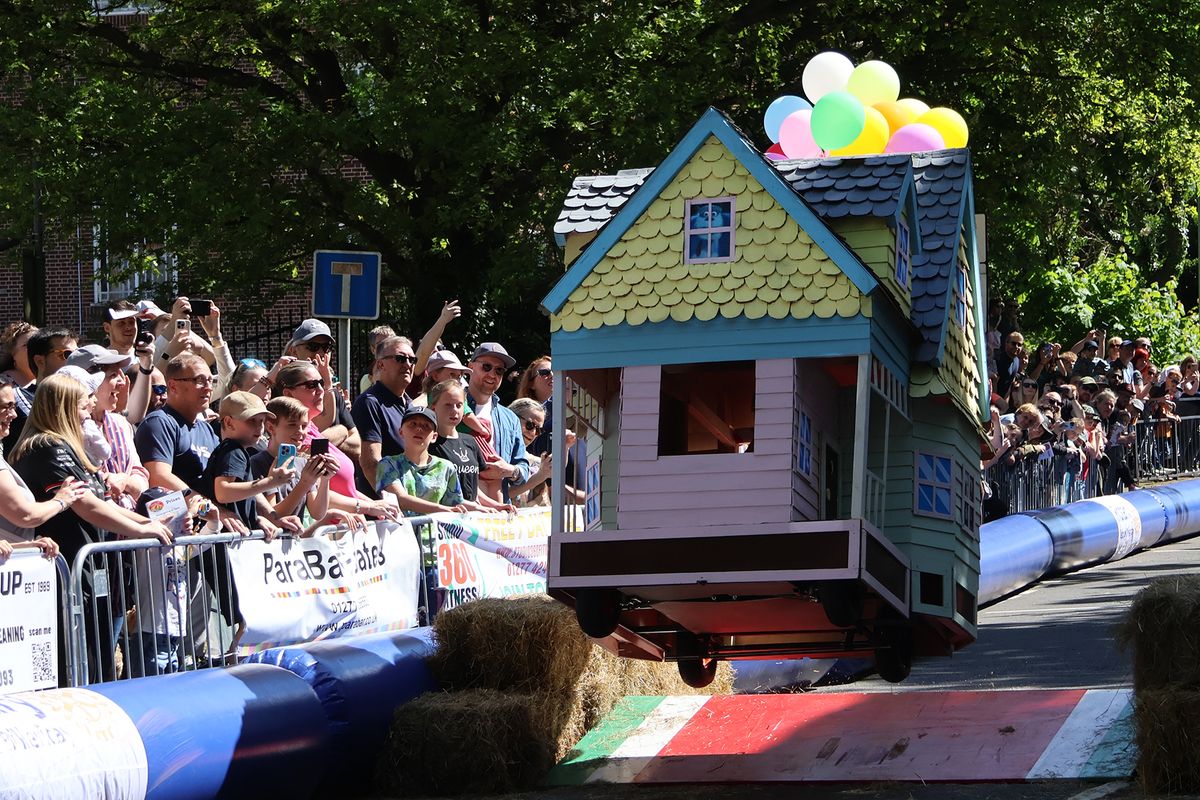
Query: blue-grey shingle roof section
941,181
594,200
849,187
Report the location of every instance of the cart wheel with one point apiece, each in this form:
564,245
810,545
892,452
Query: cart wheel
697,672
842,604
894,661
598,611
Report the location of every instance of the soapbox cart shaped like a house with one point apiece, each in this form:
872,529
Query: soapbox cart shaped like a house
773,370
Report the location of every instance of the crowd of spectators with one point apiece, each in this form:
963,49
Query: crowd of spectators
252,441
1074,416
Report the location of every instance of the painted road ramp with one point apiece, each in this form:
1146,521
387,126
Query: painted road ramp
818,737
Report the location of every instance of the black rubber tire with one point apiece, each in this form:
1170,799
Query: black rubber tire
598,611
894,661
697,672
842,603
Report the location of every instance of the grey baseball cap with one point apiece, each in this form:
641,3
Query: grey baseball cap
419,411
494,349
92,357
310,329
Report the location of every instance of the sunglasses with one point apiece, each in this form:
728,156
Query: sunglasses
532,427
1029,385
160,389
250,363
545,373
488,368
318,347
66,351
400,358
312,386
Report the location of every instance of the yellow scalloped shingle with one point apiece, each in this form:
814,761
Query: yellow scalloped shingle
778,270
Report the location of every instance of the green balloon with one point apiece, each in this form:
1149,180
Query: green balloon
837,120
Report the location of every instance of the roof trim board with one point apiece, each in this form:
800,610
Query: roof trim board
712,123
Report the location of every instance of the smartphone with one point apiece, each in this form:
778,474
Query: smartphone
183,325
287,454
144,339
201,308
319,447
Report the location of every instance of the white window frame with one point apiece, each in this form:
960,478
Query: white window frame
731,229
105,291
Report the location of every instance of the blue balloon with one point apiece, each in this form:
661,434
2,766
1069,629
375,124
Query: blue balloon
778,111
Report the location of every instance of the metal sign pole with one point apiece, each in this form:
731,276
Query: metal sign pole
344,354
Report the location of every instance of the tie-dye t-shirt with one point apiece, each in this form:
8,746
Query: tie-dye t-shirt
436,482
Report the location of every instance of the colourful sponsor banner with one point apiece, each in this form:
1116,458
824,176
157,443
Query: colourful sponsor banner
69,743
490,555
300,590
28,623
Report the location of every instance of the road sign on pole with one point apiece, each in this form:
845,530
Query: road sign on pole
346,284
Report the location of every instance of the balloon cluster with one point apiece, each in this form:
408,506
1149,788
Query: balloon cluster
856,111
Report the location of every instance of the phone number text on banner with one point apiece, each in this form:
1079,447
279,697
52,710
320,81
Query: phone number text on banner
28,623
490,555
300,590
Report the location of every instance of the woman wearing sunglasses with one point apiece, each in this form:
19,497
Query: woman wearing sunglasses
302,381
533,491
537,381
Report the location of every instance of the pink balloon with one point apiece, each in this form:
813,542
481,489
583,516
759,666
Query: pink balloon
915,137
795,136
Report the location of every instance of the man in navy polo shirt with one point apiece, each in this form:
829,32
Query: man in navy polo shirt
379,410
176,441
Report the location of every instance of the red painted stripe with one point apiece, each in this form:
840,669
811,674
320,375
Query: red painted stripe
928,736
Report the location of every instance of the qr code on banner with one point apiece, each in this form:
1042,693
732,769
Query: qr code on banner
43,662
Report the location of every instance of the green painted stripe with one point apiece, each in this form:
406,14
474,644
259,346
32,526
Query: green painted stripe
1116,754
600,742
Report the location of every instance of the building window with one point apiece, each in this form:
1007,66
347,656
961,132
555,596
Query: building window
706,408
960,299
934,486
968,499
902,254
806,447
121,278
708,233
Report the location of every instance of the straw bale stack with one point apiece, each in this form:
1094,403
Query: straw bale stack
523,687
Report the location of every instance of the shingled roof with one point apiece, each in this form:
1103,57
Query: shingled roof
941,181
836,188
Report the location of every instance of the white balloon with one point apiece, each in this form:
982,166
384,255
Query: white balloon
824,73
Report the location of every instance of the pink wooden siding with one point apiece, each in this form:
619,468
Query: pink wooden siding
719,489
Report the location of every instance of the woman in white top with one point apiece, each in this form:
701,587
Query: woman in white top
20,514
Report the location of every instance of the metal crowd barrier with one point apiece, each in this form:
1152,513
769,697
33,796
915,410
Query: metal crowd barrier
1034,483
1167,449
135,607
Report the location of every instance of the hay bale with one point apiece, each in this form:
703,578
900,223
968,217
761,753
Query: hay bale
1168,738
477,741
520,644
1162,628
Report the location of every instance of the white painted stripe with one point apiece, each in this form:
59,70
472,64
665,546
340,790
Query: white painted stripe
656,730
1071,748
1104,790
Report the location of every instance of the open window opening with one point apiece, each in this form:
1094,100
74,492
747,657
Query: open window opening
706,409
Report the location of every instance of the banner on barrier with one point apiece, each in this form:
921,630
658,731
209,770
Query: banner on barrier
28,623
299,590
490,555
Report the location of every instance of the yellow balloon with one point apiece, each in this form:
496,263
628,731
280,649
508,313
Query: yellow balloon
949,123
914,105
897,114
872,140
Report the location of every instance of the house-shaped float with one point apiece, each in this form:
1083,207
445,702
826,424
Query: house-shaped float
775,373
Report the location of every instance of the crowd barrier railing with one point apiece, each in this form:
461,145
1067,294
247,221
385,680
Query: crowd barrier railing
136,607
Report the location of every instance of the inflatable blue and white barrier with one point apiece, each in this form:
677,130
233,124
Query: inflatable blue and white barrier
1023,548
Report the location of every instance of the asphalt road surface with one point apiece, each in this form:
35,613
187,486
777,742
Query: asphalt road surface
1057,634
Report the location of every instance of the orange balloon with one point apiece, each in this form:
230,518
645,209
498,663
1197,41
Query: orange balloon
896,113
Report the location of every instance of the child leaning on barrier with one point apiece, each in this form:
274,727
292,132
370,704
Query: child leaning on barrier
308,494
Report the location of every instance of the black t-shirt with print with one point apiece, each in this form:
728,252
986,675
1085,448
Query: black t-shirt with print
231,460
464,454
44,467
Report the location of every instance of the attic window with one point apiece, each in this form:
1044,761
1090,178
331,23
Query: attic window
903,253
960,299
708,234
706,408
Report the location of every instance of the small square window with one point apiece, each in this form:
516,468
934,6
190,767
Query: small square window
804,447
708,234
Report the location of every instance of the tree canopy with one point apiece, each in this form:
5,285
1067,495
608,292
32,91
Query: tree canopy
445,134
